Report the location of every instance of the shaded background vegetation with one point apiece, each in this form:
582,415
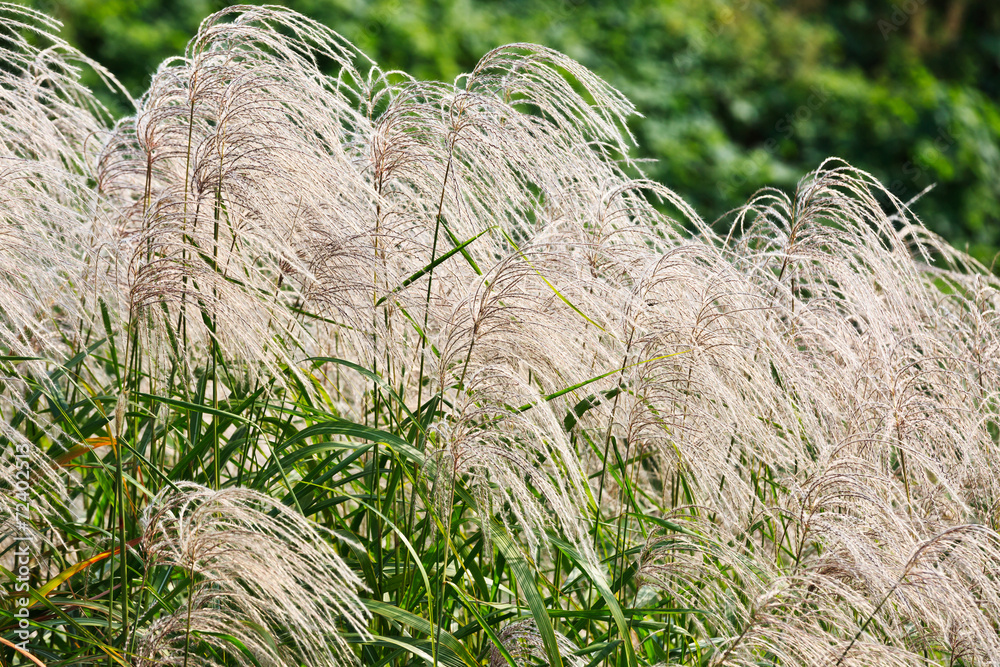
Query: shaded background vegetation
736,94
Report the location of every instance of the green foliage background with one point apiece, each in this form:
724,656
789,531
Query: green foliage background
736,94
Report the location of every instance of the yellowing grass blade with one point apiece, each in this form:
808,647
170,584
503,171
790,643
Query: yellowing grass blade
88,445
54,583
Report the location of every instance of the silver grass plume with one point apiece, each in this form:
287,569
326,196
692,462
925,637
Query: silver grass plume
831,608
259,570
523,643
50,131
207,184
32,492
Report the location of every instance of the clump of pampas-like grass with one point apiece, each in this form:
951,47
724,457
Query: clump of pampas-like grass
258,570
788,431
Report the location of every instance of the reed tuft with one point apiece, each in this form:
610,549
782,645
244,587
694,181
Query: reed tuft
306,362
